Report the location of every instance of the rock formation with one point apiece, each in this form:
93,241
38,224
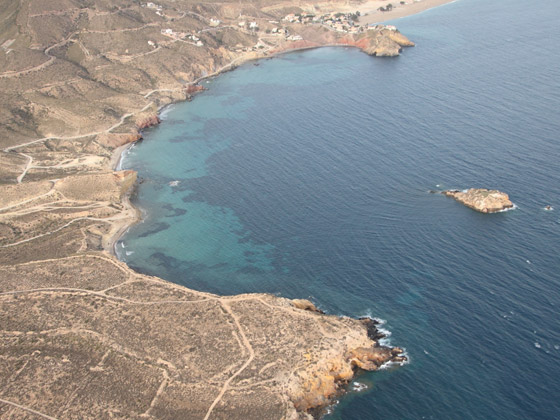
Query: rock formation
306,305
481,199
386,43
378,42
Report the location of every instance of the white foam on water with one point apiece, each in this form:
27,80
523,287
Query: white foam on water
537,345
385,341
367,315
125,155
358,386
165,111
508,209
390,364
331,407
385,332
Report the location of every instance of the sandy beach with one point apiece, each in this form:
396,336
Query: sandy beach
370,13
400,11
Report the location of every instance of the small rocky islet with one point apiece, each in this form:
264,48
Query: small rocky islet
481,199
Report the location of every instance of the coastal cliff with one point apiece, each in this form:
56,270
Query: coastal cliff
481,199
84,336
377,41
114,341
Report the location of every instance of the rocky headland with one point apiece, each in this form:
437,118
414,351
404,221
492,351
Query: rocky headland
481,199
84,336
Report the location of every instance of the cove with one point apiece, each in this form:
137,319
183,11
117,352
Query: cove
308,176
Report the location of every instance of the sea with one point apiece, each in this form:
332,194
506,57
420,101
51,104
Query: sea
308,175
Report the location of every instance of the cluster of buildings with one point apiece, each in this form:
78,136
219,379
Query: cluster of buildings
151,5
285,33
155,6
343,22
253,26
380,27
300,18
340,22
182,36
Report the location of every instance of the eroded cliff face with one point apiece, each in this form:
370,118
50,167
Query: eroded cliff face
380,42
385,43
316,386
482,199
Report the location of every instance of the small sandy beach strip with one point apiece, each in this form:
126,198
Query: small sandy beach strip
370,13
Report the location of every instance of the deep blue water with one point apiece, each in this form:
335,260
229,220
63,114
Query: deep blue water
308,175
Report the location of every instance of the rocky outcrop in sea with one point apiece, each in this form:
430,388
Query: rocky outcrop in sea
481,199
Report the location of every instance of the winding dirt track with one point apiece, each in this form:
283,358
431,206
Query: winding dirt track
28,409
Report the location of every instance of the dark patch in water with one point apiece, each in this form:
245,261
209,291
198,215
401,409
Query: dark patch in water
214,124
174,211
155,228
173,121
182,139
249,269
165,260
232,100
196,118
220,265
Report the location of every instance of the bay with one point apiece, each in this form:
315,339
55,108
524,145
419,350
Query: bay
308,176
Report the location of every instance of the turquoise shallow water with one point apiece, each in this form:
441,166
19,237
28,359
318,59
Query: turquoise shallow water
308,176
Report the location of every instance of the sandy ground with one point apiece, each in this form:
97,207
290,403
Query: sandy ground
370,14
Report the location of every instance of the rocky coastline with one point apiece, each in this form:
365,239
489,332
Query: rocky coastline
72,314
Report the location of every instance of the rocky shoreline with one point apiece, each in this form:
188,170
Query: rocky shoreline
133,345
